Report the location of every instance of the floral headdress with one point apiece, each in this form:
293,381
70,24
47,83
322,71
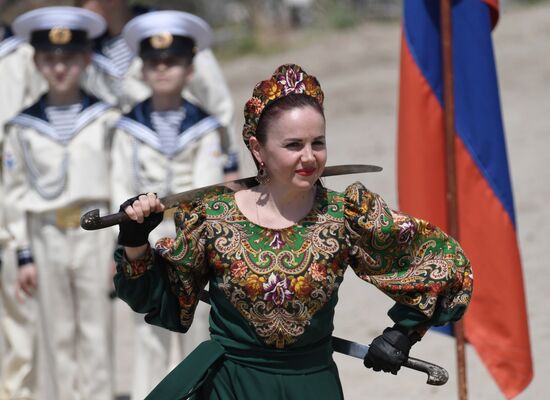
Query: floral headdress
287,79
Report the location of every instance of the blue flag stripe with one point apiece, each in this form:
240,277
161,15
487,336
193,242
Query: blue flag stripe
477,108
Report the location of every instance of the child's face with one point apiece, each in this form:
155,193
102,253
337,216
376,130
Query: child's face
62,70
167,75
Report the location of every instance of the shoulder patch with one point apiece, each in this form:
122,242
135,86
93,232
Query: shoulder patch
9,161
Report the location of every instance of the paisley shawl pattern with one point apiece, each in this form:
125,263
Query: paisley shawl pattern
276,279
279,279
409,259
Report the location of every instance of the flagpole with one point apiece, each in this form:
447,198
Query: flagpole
449,110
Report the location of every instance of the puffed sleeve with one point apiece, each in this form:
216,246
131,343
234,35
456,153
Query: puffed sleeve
166,283
415,263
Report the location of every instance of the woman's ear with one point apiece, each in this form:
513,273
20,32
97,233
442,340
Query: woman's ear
255,148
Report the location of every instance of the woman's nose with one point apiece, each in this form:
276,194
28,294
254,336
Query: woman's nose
307,153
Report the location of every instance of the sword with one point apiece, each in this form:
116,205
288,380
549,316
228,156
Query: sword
92,221
437,375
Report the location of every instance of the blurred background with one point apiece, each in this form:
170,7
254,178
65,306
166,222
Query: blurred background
251,26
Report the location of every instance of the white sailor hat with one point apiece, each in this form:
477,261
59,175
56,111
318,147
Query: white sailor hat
163,33
53,28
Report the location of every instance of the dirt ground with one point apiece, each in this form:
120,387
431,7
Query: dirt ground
358,70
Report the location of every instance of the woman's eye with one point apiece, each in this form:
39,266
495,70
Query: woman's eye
293,145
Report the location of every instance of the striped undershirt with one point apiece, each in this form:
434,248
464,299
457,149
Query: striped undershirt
167,124
63,119
118,52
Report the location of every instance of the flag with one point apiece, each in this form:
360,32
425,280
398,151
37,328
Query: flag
496,321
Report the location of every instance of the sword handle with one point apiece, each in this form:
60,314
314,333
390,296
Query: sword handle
91,220
437,375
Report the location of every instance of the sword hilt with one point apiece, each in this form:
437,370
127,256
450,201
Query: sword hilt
91,220
437,375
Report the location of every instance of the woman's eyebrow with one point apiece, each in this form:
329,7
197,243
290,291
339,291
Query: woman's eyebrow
292,140
323,137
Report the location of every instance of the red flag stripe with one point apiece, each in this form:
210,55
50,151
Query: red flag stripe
481,215
420,124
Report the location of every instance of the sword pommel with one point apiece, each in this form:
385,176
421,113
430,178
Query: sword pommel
437,375
91,220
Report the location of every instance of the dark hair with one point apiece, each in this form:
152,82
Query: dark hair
285,103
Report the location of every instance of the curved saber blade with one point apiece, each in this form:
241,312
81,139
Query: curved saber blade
92,221
437,375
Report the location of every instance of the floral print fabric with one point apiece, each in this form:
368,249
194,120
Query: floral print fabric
279,279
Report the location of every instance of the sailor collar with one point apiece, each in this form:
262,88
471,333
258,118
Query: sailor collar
35,116
196,123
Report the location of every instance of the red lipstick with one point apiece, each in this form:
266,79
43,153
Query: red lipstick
305,171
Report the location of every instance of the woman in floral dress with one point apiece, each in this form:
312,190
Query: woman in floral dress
274,256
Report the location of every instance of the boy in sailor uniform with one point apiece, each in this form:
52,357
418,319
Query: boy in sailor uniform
56,166
21,86
115,74
166,144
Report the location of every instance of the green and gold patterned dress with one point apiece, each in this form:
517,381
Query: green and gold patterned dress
273,291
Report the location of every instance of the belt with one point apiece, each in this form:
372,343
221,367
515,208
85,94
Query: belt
283,362
68,217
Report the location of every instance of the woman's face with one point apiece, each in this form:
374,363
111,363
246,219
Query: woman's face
295,152
167,75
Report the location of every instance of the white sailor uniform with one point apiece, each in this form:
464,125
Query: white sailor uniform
51,178
147,160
